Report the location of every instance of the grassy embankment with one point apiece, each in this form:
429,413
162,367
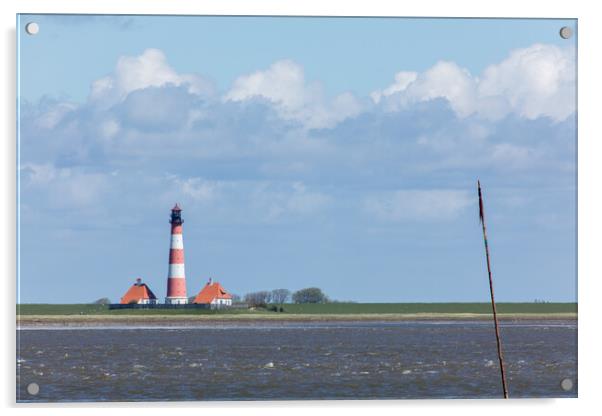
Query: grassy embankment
41,313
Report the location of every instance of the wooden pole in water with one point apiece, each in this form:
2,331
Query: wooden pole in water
497,329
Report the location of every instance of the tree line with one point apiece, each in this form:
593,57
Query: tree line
280,296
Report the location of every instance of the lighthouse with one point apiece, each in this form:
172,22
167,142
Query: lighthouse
176,277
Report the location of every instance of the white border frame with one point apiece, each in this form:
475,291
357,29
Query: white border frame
589,207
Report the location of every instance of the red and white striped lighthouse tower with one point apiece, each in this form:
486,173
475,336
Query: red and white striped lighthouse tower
176,278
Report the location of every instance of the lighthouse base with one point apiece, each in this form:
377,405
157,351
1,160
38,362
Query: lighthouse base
176,301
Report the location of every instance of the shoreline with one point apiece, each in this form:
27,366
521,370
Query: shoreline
40,321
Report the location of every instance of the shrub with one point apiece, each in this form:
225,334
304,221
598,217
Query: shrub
310,295
258,299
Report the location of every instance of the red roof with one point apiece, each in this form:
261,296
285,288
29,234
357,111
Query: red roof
210,292
137,292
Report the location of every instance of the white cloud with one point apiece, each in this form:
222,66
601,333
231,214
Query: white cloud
283,84
198,189
169,129
294,200
535,81
409,205
444,80
510,153
54,115
402,80
65,187
150,69
245,200
39,174
304,201
109,128
532,82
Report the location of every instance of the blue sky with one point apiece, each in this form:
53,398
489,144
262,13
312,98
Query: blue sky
339,153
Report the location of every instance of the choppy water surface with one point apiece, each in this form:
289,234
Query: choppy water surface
296,361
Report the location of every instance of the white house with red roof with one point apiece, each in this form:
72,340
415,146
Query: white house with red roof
140,294
213,294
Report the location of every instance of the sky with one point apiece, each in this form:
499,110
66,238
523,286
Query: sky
341,153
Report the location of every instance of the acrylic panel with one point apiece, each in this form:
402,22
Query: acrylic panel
284,208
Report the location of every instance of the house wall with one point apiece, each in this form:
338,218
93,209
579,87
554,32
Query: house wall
221,302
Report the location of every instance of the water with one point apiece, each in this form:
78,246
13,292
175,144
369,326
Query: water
269,361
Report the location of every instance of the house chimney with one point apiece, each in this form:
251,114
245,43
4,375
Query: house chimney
138,281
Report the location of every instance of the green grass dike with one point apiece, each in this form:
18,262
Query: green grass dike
335,308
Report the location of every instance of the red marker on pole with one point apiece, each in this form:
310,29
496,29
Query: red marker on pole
497,329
